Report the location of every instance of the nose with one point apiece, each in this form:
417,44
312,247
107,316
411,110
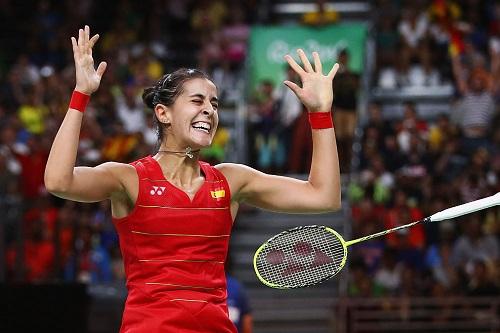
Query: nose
208,109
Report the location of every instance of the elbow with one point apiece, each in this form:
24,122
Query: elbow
336,202
327,200
333,204
55,185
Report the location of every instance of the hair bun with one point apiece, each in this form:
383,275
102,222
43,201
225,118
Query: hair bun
148,97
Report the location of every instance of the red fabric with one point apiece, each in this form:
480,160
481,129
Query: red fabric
320,120
79,101
174,251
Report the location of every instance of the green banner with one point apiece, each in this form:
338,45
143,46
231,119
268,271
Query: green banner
268,46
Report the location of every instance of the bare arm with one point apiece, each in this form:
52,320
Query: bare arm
62,178
495,65
458,73
321,192
247,323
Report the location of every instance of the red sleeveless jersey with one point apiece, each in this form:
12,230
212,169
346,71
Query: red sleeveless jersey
174,251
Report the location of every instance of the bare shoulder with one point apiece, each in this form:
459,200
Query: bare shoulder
127,177
233,171
238,176
118,169
123,172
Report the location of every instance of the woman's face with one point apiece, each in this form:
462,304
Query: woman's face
193,116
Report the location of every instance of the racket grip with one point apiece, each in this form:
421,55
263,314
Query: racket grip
466,208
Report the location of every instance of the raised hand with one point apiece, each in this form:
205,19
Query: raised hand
87,77
316,92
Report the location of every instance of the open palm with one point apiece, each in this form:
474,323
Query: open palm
316,92
87,77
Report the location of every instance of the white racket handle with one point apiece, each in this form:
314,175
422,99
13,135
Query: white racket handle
466,208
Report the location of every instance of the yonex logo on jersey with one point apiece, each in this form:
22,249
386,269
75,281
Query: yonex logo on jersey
158,190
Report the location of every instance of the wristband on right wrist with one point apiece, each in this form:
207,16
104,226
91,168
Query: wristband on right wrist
320,120
79,101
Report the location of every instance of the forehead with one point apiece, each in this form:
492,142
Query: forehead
200,86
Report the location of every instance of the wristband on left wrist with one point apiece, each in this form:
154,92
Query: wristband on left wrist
320,120
79,101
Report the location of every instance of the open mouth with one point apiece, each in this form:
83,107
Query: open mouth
202,126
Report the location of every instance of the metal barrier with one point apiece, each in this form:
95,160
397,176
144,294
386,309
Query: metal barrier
408,314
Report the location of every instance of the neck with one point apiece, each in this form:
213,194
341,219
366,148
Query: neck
188,152
178,166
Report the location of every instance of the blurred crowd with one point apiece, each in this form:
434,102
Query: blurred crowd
411,167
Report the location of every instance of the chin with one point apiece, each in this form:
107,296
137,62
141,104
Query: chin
199,142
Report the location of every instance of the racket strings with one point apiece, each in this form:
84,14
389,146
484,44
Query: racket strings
300,257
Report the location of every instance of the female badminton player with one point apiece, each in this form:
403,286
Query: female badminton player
174,213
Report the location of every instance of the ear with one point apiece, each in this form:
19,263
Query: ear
163,113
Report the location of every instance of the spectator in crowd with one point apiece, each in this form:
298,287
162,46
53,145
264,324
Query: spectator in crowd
346,100
129,109
438,259
233,39
377,121
37,255
413,30
360,282
234,35
388,274
321,15
289,110
238,307
482,280
440,133
270,154
474,244
386,38
90,262
411,126
207,19
32,158
402,213
300,156
32,112
477,108
238,303
392,154
368,219
450,163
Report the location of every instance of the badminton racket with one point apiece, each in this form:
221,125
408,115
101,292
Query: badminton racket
308,255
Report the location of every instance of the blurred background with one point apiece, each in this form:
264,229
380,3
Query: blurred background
418,130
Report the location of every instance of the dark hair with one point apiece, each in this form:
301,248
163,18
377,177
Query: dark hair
166,91
344,52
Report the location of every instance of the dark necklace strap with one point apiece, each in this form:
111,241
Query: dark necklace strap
188,152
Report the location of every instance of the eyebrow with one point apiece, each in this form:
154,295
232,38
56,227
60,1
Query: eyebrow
213,99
